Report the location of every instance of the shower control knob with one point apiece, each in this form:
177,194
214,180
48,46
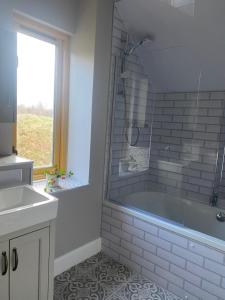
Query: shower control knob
220,216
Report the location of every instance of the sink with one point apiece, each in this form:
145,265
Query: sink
24,206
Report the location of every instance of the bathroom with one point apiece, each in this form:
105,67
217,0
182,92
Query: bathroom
112,149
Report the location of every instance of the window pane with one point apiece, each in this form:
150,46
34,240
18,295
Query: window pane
35,99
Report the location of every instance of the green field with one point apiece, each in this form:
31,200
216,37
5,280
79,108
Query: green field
35,138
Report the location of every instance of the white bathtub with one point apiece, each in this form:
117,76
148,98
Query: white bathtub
179,213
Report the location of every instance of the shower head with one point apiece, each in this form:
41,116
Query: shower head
137,45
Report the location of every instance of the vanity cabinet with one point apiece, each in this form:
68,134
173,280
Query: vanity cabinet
8,76
25,267
29,266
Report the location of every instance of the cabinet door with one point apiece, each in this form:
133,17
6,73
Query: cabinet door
4,271
30,266
8,76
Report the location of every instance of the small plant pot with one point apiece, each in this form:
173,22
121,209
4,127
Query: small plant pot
52,181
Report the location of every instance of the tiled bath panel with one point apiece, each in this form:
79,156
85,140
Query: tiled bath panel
102,278
183,266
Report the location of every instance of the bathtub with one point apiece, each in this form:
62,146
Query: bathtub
177,211
177,243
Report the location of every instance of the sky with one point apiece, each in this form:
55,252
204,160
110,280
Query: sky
36,71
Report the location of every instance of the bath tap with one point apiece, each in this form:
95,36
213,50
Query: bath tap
214,199
220,216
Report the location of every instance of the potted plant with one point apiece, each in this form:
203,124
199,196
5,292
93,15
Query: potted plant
54,175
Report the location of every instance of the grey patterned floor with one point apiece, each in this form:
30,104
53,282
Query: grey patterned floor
102,278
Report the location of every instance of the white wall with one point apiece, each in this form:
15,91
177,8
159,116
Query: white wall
81,90
79,216
61,14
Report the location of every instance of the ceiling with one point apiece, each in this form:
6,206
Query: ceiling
188,49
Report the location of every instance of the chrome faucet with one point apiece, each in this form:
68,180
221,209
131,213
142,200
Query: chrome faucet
214,199
220,216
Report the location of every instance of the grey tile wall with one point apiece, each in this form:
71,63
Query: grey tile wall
136,93
181,265
186,138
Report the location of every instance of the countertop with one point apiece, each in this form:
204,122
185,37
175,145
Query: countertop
12,160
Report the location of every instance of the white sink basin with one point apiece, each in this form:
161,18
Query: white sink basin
24,206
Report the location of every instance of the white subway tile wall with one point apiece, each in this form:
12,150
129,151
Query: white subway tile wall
185,144
179,264
138,106
186,138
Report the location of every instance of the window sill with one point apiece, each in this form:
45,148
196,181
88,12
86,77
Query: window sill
64,185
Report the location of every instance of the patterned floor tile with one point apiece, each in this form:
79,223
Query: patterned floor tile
102,278
144,289
112,275
115,297
112,271
94,260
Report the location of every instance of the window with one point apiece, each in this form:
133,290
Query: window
42,95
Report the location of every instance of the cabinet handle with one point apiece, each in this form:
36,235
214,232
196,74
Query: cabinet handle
15,259
4,263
